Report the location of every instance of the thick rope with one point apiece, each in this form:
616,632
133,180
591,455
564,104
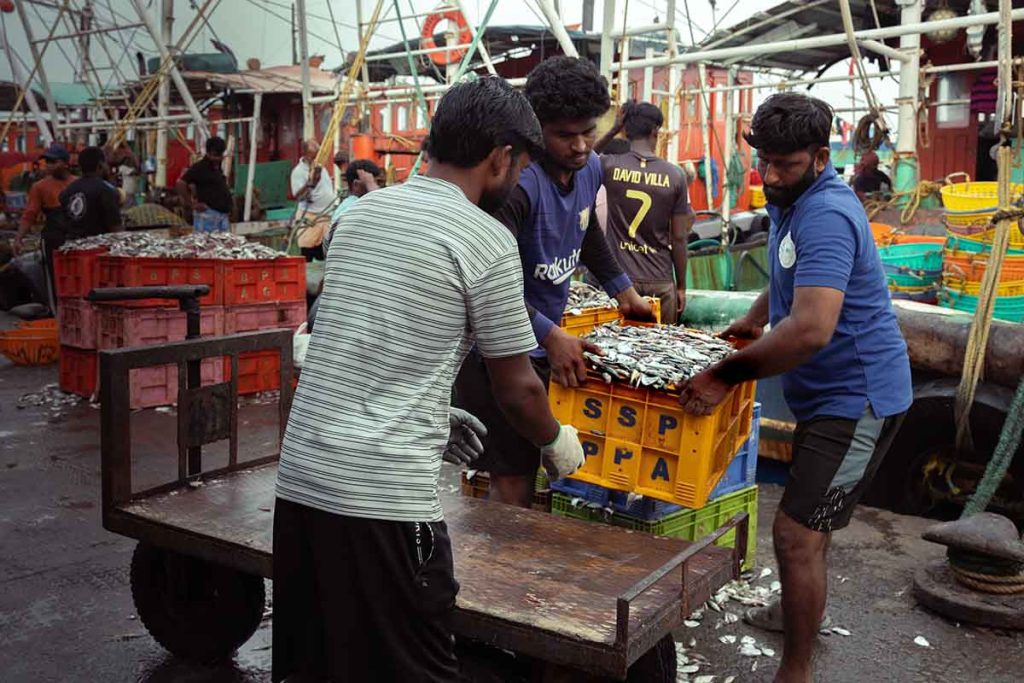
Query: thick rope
977,339
986,583
914,197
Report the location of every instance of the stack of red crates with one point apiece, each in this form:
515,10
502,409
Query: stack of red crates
245,295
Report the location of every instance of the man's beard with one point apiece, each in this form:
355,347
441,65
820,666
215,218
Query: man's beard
491,202
785,197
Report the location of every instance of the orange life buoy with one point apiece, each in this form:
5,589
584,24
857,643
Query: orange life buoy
465,36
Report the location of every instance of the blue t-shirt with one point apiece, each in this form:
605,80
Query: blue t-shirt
551,240
824,240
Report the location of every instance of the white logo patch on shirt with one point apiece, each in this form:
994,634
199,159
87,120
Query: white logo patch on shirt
76,207
787,252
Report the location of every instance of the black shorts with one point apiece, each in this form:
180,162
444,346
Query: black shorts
506,452
361,599
834,460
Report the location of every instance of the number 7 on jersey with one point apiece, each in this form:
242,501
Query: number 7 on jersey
645,206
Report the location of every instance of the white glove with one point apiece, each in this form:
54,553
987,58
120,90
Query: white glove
464,445
564,455
300,343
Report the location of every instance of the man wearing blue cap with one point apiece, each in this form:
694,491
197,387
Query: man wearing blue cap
44,198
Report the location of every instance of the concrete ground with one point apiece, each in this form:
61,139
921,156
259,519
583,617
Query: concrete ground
66,611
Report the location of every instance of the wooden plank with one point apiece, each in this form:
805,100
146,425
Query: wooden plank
543,576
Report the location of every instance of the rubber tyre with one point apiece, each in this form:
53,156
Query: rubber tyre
195,609
657,665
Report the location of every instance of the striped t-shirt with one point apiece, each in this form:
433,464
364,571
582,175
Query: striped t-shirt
415,277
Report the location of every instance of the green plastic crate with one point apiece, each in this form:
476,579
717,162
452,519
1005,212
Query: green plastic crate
686,524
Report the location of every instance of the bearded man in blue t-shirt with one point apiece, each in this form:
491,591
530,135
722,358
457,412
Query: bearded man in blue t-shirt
835,341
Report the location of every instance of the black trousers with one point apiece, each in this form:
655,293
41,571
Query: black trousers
361,599
51,242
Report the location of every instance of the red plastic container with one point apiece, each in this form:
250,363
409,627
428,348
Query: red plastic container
78,371
140,271
78,323
158,385
123,326
261,281
257,371
76,272
253,317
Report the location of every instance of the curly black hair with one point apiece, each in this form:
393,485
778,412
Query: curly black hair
567,89
789,122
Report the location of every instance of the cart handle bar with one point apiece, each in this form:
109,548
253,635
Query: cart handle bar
154,292
740,520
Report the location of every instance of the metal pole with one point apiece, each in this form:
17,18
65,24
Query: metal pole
485,56
29,96
730,133
905,171
648,76
1004,103
555,24
801,44
705,132
307,108
37,58
165,57
163,94
607,39
673,113
250,175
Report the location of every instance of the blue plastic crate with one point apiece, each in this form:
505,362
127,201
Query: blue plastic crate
591,493
742,471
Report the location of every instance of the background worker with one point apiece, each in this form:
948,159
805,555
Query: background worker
869,179
835,341
364,583
91,205
313,190
44,199
551,214
649,215
204,189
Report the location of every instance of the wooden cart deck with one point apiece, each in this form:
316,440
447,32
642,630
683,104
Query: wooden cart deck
564,591
531,582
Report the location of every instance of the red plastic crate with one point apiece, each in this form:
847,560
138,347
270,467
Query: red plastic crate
123,326
158,385
142,271
78,323
257,371
78,371
260,281
254,317
76,272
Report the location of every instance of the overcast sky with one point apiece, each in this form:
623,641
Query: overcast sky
261,29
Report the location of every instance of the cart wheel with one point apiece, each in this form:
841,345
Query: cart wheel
195,609
657,665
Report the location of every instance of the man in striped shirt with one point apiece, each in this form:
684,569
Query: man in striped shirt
363,569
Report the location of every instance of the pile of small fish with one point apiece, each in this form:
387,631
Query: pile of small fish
217,245
582,295
50,397
116,243
659,357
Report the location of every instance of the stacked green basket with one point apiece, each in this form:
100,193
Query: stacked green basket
913,271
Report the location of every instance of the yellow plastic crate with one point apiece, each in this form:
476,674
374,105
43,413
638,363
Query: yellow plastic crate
757,198
588,318
641,440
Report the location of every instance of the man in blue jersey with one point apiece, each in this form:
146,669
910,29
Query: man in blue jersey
552,215
835,341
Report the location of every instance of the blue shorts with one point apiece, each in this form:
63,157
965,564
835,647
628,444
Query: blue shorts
210,221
